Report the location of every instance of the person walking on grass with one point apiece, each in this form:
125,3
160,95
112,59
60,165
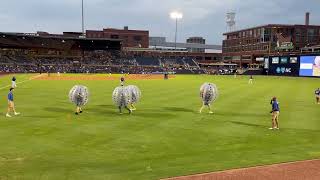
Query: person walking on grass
122,81
275,113
80,100
250,80
208,94
13,82
11,104
317,94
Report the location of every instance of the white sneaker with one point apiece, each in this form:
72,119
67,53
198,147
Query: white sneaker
271,128
276,128
16,113
210,112
8,115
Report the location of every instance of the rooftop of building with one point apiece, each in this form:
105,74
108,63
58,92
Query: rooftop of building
272,26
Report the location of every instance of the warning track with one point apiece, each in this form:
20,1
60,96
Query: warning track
100,77
303,170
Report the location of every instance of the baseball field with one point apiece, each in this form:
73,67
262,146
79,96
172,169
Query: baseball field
165,137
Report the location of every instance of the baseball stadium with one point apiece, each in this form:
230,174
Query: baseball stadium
111,104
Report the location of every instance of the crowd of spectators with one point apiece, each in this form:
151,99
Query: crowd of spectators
23,61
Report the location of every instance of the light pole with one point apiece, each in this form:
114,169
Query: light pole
176,16
82,17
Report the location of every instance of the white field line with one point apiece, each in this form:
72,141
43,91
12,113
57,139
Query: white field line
31,78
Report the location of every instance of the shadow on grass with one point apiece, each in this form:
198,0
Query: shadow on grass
292,130
248,124
106,106
178,109
152,114
103,109
37,116
147,113
57,109
233,114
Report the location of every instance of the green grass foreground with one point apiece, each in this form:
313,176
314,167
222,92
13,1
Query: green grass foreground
165,137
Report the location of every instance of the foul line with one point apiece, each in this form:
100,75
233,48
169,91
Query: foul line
31,78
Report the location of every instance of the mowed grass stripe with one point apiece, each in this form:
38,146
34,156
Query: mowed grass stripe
165,137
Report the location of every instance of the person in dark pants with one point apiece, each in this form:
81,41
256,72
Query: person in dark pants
79,103
317,94
275,113
166,76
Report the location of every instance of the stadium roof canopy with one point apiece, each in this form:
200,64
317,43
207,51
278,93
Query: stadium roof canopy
37,41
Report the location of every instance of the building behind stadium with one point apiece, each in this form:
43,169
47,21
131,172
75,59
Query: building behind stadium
248,47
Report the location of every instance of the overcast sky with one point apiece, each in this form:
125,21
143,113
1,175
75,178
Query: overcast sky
204,18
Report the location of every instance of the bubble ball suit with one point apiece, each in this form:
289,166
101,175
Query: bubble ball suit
75,92
121,97
135,93
208,93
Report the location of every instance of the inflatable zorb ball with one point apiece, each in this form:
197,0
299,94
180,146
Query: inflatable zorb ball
208,93
135,93
74,95
121,97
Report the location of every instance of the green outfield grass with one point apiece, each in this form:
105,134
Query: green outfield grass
165,137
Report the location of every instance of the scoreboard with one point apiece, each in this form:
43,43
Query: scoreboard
282,65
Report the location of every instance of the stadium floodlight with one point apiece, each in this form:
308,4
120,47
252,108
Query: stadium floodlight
176,16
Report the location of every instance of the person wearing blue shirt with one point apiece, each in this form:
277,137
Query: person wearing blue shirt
317,94
275,113
11,104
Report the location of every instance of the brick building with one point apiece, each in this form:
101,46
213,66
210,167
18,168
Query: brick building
130,38
249,46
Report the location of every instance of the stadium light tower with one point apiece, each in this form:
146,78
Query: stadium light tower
176,16
82,17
